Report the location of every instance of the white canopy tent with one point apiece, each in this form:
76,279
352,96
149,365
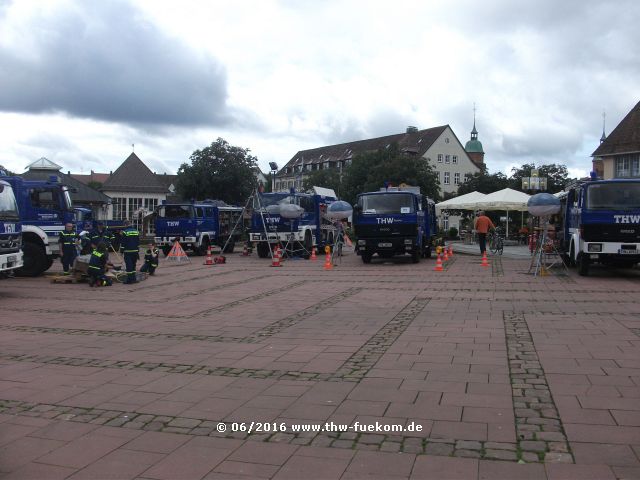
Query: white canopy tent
505,199
467,201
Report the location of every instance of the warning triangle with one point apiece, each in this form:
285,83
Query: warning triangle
177,253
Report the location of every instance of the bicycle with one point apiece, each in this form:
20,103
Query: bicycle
496,242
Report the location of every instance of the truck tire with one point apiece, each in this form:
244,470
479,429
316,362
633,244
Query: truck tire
263,250
427,252
35,260
366,257
572,255
307,245
583,264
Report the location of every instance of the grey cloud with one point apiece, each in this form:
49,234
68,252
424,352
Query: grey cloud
102,60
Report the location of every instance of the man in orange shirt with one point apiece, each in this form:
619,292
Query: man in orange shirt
482,225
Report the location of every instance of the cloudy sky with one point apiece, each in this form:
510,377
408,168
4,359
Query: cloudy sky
81,81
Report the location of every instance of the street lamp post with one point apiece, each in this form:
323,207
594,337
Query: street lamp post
274,169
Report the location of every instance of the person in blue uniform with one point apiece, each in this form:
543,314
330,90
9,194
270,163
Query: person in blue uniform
68,239
101,234
151,257
98,267
129,246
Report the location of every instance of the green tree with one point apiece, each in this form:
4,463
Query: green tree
484,183
327,178
7,171
220,171
370,171
95,185
557,176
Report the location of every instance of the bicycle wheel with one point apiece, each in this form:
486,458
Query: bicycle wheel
500,246
493,244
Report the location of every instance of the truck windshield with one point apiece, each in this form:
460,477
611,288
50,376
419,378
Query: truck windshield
387,203
269,199
8,205
613,196
175,211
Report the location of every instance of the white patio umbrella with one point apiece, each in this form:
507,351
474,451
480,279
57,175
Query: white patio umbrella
463,202
505,199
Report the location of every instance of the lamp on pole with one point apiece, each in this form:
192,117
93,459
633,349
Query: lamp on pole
274,168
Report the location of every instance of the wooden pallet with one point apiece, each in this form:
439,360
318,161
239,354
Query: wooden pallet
68,279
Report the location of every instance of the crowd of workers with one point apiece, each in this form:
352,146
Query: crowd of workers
98,242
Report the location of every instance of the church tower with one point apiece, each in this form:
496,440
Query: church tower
474,146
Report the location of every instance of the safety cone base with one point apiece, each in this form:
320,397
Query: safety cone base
439,264
485,261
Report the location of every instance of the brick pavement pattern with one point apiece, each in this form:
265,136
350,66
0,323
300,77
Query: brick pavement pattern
490,373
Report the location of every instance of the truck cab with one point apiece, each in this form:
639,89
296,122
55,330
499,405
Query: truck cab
394,221
600,223
197,226
45,207
11,257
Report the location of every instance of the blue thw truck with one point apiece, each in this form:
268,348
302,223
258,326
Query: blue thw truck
10,230
197,226
394,221
44,208
312,229
599,222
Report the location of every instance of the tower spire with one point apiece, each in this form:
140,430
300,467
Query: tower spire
474,132
603,137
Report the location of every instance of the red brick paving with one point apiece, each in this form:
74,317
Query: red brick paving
448,370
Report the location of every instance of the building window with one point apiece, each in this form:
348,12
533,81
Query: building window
628,166
454,159
150,204
447,159
439,158
456,179
326,164
446,178
119,208
438,176
446,140
347,162
467,177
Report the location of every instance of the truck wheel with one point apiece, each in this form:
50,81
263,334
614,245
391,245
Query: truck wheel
308,244
263,249
427,252
35,260
415,255
366,257
583,264
570,259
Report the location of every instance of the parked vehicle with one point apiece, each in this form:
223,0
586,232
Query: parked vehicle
312,229
394,221
44,208
197,226
599,222
11,257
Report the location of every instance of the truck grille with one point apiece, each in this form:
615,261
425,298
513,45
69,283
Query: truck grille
605,232
371,231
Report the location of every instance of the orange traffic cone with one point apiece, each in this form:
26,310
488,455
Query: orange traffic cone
276,258
445,257
485,261
439,265
450,250
313,254
328,265
209,259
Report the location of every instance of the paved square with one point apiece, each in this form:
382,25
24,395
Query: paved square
388,370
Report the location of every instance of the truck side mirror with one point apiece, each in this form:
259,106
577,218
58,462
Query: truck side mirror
357,208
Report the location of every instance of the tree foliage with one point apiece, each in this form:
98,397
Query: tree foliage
557,176
327,178
219,171
484,183
368,172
